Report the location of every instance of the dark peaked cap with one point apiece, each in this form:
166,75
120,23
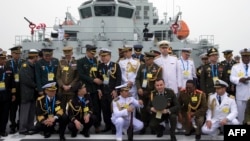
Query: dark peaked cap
149,54
16,49
227,52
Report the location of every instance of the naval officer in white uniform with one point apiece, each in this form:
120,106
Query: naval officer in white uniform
187,66
129,67
122,107
222,110
240,75
171,70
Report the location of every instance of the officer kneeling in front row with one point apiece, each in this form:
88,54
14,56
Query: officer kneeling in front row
123,106
80,112
49,111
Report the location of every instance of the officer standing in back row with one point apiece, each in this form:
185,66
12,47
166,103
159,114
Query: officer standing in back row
228,63
137,53
15,63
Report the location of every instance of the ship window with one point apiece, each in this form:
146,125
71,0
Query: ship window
125,12
104,10
86,12
138,8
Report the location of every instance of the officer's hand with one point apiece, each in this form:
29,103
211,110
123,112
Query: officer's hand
248,123
66,88
99,94
209,124
114,94
78,124
13,98
130,84
86,118
152,109
140,91
130,109
243,80
223,121
140,102
98,81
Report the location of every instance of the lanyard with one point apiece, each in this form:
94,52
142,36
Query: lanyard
246,70
82,99
52,69
103,70
145,73
216,72
50,111
3,76
12,65
184,65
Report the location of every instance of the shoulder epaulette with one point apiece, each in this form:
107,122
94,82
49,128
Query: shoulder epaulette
157,57
199,91
173,55
231,96
40,98
116,99
210,94
24,65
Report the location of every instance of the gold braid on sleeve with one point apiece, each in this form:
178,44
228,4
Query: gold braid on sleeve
76,110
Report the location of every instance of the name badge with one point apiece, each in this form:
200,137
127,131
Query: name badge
51,76
149,75
144,83
93,69
86,109
240,74
105,79
2,86
194,99
65,68
186,74
215,79
16,77
158,115
225,110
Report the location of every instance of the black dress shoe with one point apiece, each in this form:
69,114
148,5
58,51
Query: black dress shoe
97,130
86,134
197,137
12,131
143,131
3,134
62,138
47,135
24,133
73,134
32,132
173,138
160,134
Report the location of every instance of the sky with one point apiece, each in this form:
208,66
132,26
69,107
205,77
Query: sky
227,20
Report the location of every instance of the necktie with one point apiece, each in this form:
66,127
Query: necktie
215,69
246,67
83,101
219,99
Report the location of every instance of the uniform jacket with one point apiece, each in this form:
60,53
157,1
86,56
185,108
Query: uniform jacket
6,76
27,82
207,74
150,73
193,102
228,66
42,111
67,75
171,71
227,108
172,101
140,57
77,108
113,72
43,68
242,90
88,72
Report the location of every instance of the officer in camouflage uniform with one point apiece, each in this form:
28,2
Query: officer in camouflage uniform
15,63
87,69
211,72
46,69
169,113
228,63
145,79
67,76
204,60
193,106
49,111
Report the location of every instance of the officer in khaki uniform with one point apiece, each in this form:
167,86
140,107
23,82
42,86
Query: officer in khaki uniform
168,113
15,63
49,111
193,106
87,69
67,76
145,79
211,72
228,63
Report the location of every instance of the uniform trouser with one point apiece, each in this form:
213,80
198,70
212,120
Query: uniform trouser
155,123
121,123
106,101
215,125
63,120
27,116
96,108
199,120
241,105
144,113
4,110
13,113
86,126
65,99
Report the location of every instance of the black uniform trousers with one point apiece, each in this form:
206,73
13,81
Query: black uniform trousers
86,126
106,101
14,106
4,114
96,108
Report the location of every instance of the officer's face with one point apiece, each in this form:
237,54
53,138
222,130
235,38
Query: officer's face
245,59
159,86
47,57
190,87
105,58
220,90
124,93
82,91
204,60
213,58
164,50
15,55
50,93
2,61
128,54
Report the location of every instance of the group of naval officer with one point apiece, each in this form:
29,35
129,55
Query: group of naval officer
87,87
